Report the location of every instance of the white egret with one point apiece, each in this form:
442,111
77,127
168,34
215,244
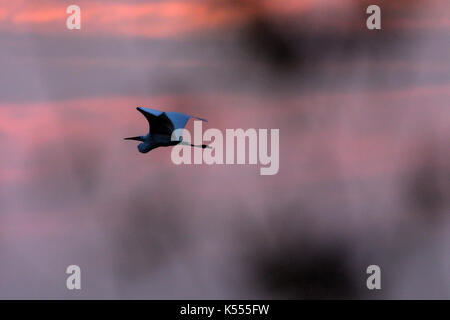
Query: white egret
162,125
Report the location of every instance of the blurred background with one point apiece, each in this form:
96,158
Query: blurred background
364,173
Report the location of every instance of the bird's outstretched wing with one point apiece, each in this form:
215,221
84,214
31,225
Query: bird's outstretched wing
179,120
165,122
158,121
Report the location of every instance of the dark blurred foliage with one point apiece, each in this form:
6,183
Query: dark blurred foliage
269,43
292,45
426,192
305,271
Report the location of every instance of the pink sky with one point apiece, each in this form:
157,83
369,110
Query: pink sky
360,114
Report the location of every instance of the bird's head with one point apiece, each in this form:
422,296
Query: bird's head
145,147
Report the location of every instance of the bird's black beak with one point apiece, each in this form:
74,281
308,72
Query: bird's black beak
139,138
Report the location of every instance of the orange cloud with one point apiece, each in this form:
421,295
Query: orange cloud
177,17
39,16
135,19
3,14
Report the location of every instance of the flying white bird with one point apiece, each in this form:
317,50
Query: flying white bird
162,125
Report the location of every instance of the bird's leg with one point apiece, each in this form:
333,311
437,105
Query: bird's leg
203,146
